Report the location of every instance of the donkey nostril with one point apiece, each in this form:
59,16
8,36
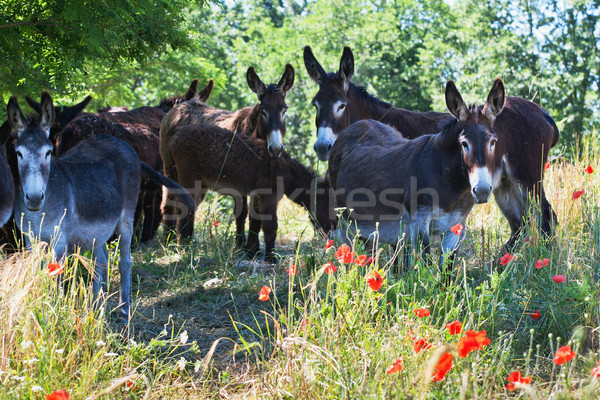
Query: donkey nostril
42,198
27,196
329,146
475,190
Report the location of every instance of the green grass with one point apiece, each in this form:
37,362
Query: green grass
199,330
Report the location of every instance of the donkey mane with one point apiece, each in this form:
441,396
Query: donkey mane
362,94
169,102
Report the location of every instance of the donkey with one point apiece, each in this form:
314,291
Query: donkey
208,157
265,120
526,133
81,198
7,186
395,186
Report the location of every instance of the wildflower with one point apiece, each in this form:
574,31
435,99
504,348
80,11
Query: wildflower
375,281
369,260
515,377
396,366
422,312
361,260
292,270
563,354
215,223
421,344
577,194
559,278
542,263
55,269
183,338
589,169
264,293
36,388
344,254
59,351
111,354
328,245
442,367
457,229
505,259
596,371
58,395
100,343
454,328
536,314
25,344
330,268
472,341
197,366
181,363
547,166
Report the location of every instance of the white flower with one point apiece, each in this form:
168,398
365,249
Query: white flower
19,378
31,361
132,342
197,366
184,337
36,388
181,363
100,343
111,354
59,351
25,344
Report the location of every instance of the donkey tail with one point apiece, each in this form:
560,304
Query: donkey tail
159,179
554,127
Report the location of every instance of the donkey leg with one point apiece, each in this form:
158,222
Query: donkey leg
549,219
252,245
125,230
100,279
512,201
240,219
151,215
268,211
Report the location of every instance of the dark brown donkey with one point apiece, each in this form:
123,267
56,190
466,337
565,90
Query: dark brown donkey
208,157
265,120
7,186
139,128
526,132
398,187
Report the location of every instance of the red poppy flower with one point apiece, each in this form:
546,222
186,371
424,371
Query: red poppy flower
596,371
55,269
360,260
536,314
563,354
559,278
344,254
472,341
330,268
374,280
396,366
454,327
410,335
547,166
264,293
328,245
421,344
577,194
442,367
215,223
457,229
292,270
515,377
505,259
589,169
58,395
542,263
422,312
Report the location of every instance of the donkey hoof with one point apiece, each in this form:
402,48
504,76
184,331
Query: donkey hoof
271,258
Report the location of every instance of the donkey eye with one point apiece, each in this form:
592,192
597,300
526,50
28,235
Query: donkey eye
19,154
283,112
264,114
341,107
48,153
465,145
492,143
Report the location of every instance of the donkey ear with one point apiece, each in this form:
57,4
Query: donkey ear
14,115
495,100
255,83
455,103
287,80
346,67
65,114
47,112
205,93
192,90
314,69
33,104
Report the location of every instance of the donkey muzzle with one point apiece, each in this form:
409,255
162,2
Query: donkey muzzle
481,193
34,200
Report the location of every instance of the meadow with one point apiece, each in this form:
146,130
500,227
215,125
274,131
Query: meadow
201,330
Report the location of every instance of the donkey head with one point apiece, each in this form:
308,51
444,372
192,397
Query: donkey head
63,114
472,133
33,148
272,108
331,101
202,95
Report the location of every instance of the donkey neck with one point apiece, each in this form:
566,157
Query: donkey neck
246,121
